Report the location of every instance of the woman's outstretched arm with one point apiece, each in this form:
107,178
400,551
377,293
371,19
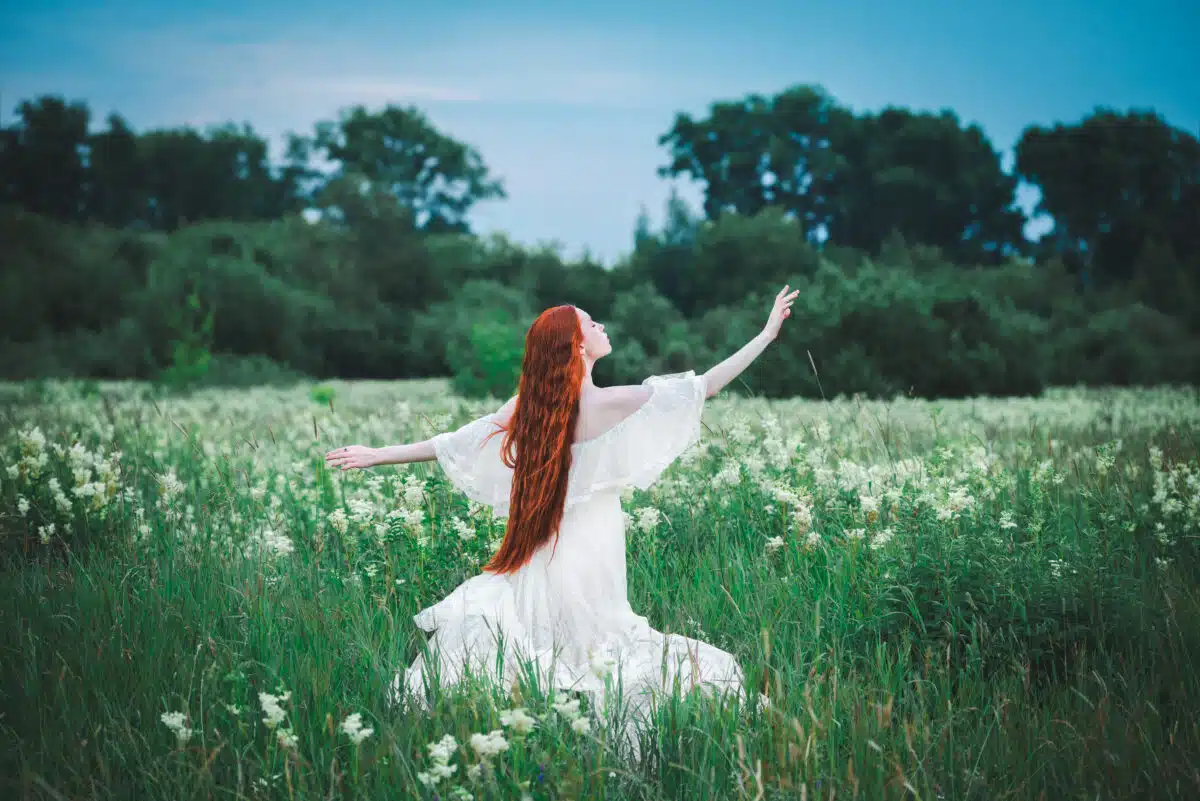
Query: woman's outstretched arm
361,457
721,374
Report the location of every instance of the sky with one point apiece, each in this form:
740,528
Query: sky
565,101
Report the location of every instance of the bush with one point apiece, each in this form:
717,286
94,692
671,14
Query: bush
490,363
372,298
235,371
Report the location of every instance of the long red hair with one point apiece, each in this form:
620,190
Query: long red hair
537,440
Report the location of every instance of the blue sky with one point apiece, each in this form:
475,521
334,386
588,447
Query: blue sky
565,101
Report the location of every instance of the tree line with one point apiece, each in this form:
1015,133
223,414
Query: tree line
54,164
178,252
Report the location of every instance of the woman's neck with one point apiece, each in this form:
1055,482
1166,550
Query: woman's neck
587,374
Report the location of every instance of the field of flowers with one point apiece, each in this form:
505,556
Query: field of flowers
985,599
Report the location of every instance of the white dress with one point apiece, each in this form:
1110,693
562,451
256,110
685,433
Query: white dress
566,612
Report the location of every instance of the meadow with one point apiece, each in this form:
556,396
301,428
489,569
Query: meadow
978,599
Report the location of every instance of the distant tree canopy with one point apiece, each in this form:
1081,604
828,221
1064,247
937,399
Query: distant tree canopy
852,179
1115,184
53,164
398,151
1111,182
130,254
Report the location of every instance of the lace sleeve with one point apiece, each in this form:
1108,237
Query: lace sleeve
472,462
637,450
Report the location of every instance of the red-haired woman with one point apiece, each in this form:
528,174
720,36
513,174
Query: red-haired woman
554,460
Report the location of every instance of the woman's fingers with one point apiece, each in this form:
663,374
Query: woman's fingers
345,458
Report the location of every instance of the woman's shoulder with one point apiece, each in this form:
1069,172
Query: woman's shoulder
625,398
606,408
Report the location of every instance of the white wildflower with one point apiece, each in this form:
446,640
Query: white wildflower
337,519
490,744
443,749
647,518
274,542
361,511
957,500
568,709
882,538
353,728
169,485
869,504
463,529
729,475
60,498
518,720
273,712
414,490
174,722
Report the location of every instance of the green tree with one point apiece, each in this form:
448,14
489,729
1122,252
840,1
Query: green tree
1111,183
727,260
760,151
472,335
116,181
43,160
851,179
51,164
398,150
1162,282
226,174
929,179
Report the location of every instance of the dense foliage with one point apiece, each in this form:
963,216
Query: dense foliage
184,255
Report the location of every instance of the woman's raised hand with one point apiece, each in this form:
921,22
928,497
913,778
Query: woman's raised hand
780,312
352,457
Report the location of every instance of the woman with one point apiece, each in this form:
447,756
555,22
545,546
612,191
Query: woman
554,460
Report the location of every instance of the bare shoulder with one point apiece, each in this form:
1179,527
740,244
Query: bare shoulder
606,407
625,399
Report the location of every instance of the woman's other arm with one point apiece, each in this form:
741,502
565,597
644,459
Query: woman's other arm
361,457
721,374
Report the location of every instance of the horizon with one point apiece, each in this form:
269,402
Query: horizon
566,107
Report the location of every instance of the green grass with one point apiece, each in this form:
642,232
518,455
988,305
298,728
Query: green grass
1011,612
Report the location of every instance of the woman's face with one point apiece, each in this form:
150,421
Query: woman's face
595,341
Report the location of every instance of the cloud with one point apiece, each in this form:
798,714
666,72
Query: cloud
349,89
469,64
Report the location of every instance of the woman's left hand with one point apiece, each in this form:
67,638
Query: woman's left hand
780,312
352,457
